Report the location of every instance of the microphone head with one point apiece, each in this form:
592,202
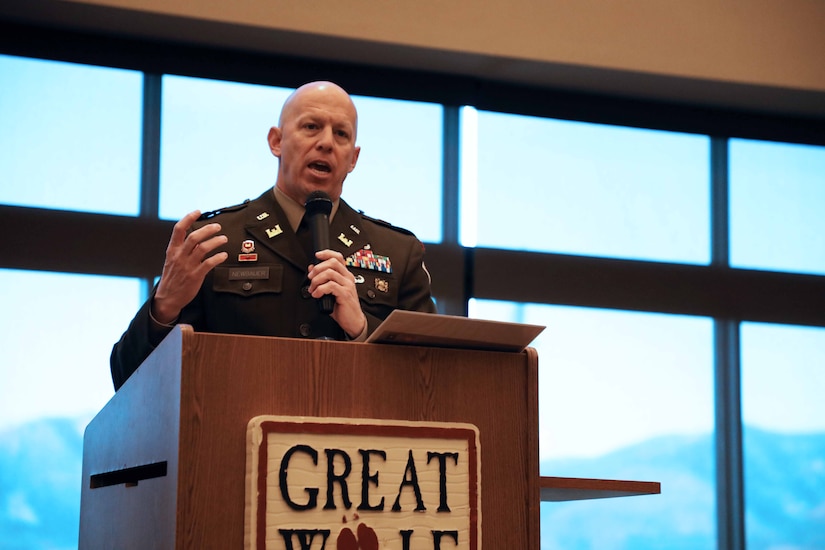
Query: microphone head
318,202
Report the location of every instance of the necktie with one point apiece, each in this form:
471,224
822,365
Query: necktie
304,235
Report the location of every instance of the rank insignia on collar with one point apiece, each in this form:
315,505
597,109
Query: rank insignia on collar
366,259
381,285
274,231
343,238
262,216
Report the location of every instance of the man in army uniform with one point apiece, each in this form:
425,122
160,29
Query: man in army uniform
247,269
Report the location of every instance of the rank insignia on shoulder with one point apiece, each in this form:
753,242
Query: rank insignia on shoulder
383,223
212,214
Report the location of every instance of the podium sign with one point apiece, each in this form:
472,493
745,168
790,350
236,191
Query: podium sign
340,483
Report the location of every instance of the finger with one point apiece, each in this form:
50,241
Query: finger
202,249
209,263
322,274
182,226
329,289
331,264
332,282
328,254
197,237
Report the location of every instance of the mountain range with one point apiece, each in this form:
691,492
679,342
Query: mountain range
40,476
784,494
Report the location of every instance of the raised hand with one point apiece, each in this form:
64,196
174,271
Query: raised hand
186,265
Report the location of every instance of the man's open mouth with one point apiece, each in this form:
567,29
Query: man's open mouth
319,166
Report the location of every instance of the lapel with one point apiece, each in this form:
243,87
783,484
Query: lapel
268,225
350,237
346,232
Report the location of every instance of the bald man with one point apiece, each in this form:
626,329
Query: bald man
243,269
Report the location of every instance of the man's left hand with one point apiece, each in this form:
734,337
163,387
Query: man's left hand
331,276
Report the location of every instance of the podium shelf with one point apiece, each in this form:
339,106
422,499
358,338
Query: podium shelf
560,489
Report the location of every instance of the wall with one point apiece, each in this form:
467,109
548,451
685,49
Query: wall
758,54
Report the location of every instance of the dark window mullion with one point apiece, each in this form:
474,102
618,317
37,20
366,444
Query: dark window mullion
150,143
451,151
730,513
150,156
460,285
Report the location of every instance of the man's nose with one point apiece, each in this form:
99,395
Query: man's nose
325,139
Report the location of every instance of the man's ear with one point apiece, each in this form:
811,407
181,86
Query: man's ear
274,139
355,153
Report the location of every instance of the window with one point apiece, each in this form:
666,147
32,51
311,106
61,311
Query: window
58,331
70,137
570,187
783,378
214,151
624,396
777,199
398,177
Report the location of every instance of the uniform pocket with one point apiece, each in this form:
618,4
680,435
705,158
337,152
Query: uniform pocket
248,281
376,288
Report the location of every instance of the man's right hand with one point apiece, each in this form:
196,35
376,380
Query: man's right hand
186,266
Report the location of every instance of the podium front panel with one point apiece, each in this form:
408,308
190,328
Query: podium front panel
223,381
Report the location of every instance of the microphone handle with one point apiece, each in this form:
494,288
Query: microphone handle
319,225
326,303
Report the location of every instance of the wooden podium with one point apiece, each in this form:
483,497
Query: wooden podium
164,460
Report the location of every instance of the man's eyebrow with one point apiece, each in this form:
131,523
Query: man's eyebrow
313,117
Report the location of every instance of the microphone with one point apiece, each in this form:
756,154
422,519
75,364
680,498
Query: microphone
318,207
